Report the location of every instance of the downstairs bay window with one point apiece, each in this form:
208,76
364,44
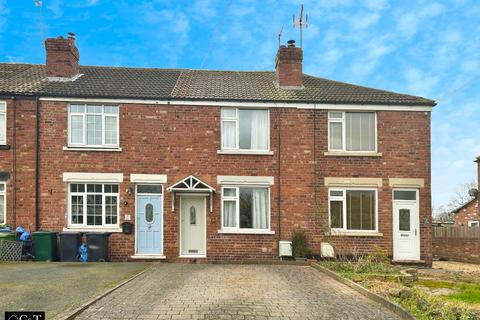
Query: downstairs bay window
93,205
245,208
353,209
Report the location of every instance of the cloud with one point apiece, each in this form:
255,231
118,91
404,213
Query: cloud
54,7
3,14
420,83
408,23
365,21
377,4
370,56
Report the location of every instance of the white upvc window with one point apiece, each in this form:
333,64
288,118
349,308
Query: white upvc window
352,131
245,208
3,203
245,129
93,205
474,223
94,126
353,209
3,123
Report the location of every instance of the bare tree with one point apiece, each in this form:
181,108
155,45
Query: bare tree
461,195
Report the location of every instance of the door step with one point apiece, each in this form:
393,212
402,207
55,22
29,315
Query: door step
409,262
149,257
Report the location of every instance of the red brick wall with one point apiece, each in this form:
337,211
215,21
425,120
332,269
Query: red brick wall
181,140
469,212
24,175
462,250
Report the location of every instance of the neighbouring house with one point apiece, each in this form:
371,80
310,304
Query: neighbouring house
213,165
468,215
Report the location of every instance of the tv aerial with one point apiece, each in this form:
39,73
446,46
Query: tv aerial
301,22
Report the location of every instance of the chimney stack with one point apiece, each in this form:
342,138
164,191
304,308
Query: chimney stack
288,66
62,57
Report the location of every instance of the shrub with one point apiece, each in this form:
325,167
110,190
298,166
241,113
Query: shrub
299,244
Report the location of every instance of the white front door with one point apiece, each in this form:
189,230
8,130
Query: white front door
192,226
406,225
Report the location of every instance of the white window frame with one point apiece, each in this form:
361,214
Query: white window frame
474,223
4,193
236,120
343,199
344,132
84,194
236,198
84,114
4,112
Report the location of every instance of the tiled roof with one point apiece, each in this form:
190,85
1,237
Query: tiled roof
143,83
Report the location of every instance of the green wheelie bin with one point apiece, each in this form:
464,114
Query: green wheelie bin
45,246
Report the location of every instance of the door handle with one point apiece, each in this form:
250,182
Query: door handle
415,232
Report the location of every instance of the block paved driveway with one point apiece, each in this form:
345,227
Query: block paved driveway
188,291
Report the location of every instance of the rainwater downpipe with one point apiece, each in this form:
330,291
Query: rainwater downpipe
14,162
37,163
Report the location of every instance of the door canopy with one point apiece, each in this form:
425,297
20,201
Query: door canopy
193,185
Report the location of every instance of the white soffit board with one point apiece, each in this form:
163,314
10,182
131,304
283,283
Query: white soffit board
240,104
260,180
92,177
148,178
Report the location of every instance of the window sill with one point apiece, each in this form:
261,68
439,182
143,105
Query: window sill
149,256
66,148
4,147
246,152
86,229
352,154
347,233
246,231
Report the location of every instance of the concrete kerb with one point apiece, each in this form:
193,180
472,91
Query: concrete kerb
72,314
395,308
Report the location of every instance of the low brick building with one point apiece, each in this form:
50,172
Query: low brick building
214,165
468,215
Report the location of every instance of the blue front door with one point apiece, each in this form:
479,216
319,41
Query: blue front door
149,224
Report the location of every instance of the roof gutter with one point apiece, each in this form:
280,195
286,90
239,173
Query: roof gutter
246,104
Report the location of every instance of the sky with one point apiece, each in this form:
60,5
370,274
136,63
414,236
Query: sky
426,48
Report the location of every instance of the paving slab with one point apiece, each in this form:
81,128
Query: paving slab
187,291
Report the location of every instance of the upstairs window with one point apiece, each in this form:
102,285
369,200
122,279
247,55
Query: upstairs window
93,126
3,123
352,131
245,129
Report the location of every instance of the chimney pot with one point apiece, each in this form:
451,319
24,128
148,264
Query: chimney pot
62,57
291,43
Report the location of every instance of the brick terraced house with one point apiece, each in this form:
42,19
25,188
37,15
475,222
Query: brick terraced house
213,165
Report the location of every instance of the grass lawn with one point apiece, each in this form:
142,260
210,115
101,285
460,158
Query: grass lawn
58,287
437,294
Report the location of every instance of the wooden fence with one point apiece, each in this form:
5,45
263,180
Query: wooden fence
457,244
456,232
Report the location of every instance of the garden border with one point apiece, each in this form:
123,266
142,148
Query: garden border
395,308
